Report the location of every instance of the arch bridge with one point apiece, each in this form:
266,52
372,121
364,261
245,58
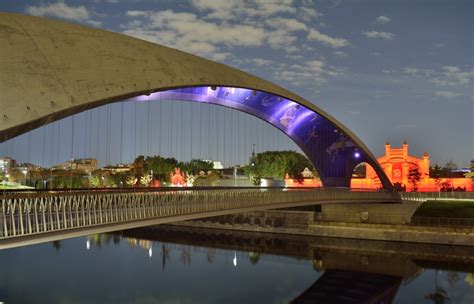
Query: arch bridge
52,69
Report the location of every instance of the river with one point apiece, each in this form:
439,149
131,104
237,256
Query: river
169,264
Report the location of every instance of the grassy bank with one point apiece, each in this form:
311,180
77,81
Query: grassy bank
447,209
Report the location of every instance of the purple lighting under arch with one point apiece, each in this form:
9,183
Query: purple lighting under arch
333,154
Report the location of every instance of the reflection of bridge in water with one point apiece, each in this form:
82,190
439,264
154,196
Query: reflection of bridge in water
35,217
355,271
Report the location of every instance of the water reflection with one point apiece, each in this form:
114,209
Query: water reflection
183,265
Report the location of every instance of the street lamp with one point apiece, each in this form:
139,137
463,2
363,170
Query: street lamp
25,171
235,176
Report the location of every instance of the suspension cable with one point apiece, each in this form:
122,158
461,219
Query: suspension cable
121,132
148,127
44,146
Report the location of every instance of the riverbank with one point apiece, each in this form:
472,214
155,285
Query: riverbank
446,209
306,223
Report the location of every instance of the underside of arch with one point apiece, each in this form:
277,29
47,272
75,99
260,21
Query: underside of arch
333,153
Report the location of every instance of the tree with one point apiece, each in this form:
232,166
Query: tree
436,173
132,180
276,164
448,168
139,164
414,176
161,166
195,166
446,186
95,181
145,179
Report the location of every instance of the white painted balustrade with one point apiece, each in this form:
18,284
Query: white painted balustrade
30,213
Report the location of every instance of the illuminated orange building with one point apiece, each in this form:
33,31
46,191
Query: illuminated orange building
397,165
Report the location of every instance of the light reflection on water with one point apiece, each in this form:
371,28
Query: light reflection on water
141,267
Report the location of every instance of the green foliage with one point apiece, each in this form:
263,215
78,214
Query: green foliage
195,166
95,181
68,179
210,180
276,164
438,172
139,164
161,166
118,179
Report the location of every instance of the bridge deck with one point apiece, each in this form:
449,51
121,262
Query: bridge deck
35,217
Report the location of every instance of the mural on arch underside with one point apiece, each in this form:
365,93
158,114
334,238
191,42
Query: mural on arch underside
333,154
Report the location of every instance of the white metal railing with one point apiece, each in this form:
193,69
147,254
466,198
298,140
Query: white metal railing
424,196
27,213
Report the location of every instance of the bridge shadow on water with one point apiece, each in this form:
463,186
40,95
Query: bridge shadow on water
353,271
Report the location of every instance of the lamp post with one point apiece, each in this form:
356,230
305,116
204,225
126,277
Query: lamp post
25,171
235,176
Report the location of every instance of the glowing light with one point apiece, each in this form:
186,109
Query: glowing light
150,252
357,155
235,259
88,244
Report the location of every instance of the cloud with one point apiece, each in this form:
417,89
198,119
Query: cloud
341,54
308,14
376,35
236,9
446,94
136,13
61,10
451,76
64,11
411,71
261,61
445,76
290,25
315,35
313,72
186,31
382,20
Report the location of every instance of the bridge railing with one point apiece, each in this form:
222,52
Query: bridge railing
27,213
424,196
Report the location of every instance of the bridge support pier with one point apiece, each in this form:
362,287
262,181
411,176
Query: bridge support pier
375,213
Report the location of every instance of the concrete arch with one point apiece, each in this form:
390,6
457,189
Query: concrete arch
52,69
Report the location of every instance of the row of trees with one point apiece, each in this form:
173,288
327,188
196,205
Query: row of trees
163,166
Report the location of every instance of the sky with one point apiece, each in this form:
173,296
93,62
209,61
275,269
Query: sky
390,70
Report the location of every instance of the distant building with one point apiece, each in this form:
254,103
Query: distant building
216,165
307,173
397,164
28,166
120,168
81,164
7,163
